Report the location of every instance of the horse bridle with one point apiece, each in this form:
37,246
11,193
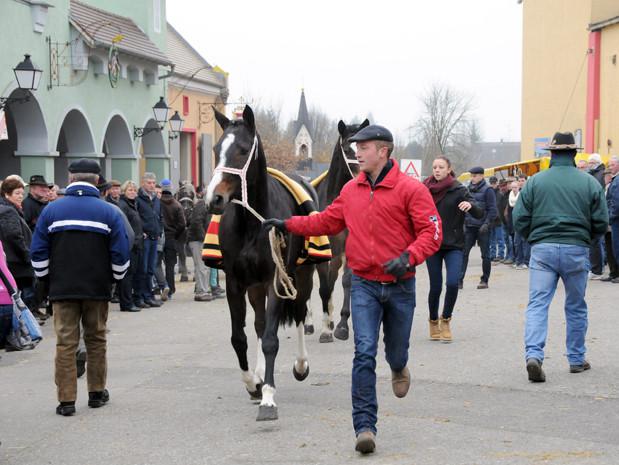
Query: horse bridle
242,173
347,160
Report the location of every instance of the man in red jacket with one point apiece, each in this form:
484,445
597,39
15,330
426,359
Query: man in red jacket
393,226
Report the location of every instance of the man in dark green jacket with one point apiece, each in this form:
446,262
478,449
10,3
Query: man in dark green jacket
560,212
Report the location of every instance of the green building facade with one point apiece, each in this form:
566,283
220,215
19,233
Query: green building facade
81,108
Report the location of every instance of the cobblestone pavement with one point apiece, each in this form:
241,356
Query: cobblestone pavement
177,398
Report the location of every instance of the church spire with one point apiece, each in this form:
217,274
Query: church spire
303,115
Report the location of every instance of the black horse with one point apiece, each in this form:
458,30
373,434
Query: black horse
241,175
342,169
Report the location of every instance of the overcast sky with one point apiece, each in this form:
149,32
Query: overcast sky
355,58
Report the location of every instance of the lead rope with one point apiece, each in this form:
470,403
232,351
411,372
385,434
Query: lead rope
276,239
347,160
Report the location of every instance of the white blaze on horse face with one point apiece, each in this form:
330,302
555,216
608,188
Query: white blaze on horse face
301,364
218,176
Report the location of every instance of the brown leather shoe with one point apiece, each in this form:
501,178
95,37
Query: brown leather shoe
366,442
400,382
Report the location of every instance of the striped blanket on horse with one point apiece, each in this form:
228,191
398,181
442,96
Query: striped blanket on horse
317,248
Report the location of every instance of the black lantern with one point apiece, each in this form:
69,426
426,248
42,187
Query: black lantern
27,74
161,111
176,122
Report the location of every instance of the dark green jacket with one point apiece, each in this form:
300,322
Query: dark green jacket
561,205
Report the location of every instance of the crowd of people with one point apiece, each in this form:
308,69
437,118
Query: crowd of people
164,227
559,224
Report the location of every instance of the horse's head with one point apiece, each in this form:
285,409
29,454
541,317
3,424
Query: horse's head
348,149
236,154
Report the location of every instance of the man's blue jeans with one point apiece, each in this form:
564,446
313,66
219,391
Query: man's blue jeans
549,262
497,242
614,225
522,250
149,263
509,244
373,303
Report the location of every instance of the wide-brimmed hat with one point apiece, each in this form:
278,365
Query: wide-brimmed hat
563,141
38,180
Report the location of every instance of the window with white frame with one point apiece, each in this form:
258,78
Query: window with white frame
157,15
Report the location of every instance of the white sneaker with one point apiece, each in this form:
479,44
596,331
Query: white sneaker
595,277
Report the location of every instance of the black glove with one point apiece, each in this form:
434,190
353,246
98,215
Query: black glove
280,225
483,229
398,267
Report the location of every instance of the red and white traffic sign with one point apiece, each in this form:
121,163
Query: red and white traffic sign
411,167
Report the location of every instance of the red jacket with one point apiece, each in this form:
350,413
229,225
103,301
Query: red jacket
398,216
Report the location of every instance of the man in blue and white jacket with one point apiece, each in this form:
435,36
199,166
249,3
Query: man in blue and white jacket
80,247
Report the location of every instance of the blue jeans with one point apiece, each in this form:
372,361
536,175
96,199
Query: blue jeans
373,303
453,265
497,242
549,262
509,244
615,238
522,250
149,262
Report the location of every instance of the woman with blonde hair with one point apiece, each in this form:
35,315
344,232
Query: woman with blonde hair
130,286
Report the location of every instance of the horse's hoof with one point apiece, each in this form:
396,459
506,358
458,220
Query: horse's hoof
257,394
299,376
326,337
331,325
309,329
341,332
267,413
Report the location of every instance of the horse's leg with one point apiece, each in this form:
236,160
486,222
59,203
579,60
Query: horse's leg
327,284
270,347
309,317
257,299
341,330
303,282
236,303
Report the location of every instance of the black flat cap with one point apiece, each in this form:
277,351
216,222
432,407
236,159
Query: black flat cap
85,165
38,180
372,132
476,170
103,185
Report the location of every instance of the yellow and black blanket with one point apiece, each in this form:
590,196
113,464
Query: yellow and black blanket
317,248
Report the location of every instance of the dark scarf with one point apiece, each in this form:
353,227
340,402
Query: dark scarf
438,189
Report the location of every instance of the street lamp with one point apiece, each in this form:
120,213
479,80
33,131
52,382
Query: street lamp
160,110
28,77
176,125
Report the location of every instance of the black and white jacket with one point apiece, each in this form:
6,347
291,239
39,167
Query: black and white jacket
80,245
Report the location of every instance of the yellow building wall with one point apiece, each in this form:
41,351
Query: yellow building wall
609,91
603,10
200,117
555,41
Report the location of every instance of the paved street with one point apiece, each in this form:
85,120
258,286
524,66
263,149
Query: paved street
177,398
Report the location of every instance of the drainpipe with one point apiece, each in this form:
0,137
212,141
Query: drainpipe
593,93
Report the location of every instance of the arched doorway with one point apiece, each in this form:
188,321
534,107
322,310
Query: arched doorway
120,159
26,135
154,151
75,140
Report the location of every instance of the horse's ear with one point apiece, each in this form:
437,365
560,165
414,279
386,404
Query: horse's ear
364,124
248,117
221,119
341,128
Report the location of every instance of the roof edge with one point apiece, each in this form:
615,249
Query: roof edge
189,45
593,27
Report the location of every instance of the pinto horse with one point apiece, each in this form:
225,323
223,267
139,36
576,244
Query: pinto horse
240,184
342,169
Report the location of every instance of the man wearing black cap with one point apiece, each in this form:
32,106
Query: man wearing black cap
38,197
80,247
560,212
393,227
478,229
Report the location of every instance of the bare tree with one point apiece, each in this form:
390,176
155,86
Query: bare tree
444,123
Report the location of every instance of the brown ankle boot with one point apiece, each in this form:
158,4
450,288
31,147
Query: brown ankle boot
445,330
400,382
435,330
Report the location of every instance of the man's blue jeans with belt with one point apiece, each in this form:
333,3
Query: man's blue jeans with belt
374,303
549,262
